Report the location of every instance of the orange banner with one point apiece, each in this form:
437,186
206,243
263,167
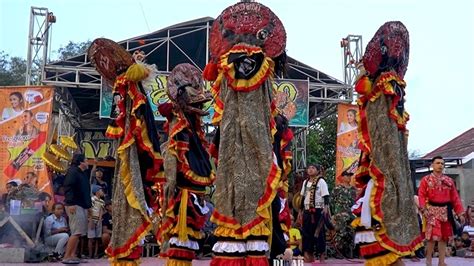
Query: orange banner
24,126
348,152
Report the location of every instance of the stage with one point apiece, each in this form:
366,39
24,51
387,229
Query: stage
452,261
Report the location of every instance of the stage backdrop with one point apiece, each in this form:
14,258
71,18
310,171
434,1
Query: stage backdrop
348,152
291,96
24,127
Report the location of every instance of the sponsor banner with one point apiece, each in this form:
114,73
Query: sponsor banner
291,97
24,127
348,152
96,145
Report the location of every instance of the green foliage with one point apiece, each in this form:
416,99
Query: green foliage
12,70
321,146
73,49
342,200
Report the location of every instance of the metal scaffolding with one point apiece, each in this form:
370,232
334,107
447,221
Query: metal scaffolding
41,21
188,42
352,54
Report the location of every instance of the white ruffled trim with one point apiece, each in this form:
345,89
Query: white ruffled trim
364,237
365,217
229,247
187,244
204,209
257,245
285,235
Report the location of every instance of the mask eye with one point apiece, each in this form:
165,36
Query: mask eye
262,34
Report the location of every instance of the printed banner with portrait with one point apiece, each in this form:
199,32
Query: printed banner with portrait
291,96
24,127
348,152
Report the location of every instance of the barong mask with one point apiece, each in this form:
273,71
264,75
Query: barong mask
388,51
186,89
245,25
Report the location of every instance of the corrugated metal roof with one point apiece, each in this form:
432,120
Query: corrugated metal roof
459,147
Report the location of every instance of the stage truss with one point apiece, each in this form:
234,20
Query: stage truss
170,46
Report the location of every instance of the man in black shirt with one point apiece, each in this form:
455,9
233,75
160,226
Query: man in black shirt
78,201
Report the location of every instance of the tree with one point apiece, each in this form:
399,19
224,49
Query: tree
73,49
12,70
321,146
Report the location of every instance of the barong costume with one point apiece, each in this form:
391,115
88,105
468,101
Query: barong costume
247,45
139,165
187,166
386,226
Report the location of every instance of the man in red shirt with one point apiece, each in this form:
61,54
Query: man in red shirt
438,199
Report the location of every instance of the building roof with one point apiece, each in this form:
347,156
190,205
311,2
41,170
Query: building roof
184,42
459,147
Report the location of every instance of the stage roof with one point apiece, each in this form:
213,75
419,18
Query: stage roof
181,43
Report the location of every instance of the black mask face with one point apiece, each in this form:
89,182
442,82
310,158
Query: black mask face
246,66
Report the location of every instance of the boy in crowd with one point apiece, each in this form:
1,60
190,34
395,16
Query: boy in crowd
98,180
56,231
107,224
295,238
95,221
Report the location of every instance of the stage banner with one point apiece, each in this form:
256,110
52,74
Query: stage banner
96,145
24,127
292,98
348,152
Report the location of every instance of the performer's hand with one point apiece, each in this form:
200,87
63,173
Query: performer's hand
325,209
462,219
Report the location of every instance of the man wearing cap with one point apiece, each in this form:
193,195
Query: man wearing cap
315,195
78,202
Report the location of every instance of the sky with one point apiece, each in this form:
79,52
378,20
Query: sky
440,90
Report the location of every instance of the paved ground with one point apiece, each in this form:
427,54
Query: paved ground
454,261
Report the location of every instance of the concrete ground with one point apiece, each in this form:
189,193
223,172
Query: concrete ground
453,261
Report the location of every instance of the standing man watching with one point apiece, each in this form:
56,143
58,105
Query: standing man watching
315,195
438,199
78,202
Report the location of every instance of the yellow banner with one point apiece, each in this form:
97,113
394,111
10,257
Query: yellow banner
348,152
24,126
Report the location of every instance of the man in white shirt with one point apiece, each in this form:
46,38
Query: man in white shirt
315,195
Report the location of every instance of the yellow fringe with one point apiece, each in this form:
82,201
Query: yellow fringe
190,232
386,259
137,72
125,263
175,262
182,232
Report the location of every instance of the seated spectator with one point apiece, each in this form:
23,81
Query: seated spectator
56,230
107,224
59,196
94,232
295,238
470,228
44,200
466,241
9,186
